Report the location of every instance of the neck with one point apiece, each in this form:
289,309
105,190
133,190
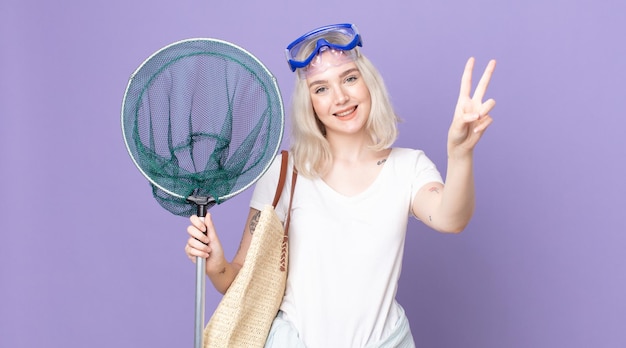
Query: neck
350,148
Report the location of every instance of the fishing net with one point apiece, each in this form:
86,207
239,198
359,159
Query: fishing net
202,120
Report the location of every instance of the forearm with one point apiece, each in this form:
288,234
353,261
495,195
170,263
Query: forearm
222,274
458,197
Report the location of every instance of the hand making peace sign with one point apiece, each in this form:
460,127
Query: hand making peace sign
471,115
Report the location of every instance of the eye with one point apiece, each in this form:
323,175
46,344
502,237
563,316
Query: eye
320,90
351,79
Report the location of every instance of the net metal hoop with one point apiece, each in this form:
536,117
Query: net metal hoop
273,86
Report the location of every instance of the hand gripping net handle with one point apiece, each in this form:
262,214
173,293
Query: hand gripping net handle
202,120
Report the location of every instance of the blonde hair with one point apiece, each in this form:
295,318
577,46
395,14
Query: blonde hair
309,147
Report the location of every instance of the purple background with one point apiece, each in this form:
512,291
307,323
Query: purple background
89,259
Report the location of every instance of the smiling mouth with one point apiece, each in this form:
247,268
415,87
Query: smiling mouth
346,112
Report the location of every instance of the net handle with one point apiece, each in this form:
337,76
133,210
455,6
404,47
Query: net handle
202,204
200,300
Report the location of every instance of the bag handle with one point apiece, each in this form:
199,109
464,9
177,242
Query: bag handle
279,191
281,179
293,188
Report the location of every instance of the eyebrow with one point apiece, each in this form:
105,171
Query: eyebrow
343,74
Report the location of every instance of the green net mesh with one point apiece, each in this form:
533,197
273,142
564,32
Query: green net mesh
201,117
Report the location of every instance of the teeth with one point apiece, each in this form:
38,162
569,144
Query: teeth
345,113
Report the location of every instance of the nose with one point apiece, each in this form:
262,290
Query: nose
341,96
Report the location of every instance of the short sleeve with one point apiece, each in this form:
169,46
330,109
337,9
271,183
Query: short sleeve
265,188
424,172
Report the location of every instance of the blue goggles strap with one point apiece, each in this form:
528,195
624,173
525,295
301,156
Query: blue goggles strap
294,47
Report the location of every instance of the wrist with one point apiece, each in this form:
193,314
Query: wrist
215,268
460,155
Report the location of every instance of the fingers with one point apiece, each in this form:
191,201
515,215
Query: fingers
486,107
483,83
472,115
482,124
198,242
481,88
203,240
466,79
209,228
194,249
477,122
197,230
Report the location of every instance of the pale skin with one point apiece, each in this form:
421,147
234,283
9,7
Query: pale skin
341,101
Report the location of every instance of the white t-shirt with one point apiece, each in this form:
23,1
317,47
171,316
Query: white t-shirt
345,253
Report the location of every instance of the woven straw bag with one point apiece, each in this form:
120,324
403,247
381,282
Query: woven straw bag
244,315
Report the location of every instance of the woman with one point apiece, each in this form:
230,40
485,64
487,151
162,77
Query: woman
353,197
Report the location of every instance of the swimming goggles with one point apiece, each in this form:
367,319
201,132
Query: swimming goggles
318,36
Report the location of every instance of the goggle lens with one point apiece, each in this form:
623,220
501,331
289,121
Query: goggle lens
295,49
327,58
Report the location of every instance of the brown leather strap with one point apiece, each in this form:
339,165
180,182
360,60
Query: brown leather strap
279,190
281,184
281,179
293,188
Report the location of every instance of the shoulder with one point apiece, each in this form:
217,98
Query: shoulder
413,163
273,170
408,156
403,152
266,185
